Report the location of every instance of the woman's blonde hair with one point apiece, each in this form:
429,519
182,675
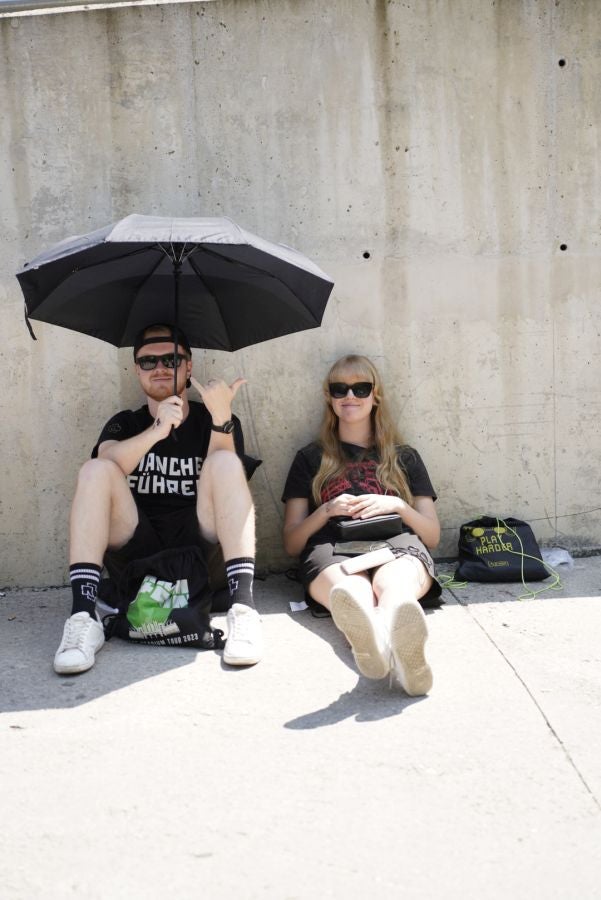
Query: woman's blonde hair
386,438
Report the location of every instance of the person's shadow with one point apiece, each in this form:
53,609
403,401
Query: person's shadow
369,701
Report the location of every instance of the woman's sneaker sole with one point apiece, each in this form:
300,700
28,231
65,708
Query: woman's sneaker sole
408,635
360,629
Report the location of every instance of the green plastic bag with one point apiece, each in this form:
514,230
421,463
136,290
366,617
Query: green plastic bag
156,599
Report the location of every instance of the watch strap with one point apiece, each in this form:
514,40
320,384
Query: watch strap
226,428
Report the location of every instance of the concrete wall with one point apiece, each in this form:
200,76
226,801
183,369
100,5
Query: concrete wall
431,156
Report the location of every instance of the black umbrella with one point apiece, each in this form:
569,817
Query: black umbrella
223,286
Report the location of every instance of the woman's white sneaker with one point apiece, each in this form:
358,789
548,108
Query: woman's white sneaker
83,637
363,632
408,635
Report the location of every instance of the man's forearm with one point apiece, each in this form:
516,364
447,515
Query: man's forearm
127,454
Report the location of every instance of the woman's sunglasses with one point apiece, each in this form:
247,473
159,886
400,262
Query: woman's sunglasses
167,360
360,389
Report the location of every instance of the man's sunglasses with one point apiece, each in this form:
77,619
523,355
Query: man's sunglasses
167,360
360,389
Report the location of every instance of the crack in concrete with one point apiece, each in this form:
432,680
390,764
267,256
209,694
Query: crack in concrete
536,703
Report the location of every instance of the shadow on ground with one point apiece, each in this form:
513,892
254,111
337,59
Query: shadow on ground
32,625
369,701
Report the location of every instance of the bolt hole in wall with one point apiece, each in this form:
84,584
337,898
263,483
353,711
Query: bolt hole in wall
366,254
563,247
562,62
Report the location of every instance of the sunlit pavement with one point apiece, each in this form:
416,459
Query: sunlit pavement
163,773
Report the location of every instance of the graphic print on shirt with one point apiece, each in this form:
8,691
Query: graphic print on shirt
166,475
358,478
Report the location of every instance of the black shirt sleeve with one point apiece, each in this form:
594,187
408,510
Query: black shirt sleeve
119,427
250,463
417,474
300,477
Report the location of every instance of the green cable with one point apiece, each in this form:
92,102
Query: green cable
530,594
448,581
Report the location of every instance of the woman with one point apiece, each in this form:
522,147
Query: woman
360,468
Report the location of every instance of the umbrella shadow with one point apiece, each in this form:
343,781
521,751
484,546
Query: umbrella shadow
31,632
31,627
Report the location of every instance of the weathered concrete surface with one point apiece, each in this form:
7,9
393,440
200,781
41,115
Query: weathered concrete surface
432,157
162,773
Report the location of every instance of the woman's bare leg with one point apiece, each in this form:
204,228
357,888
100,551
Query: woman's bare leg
352,602
321,587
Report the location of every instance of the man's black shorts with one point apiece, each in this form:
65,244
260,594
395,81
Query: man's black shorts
176,528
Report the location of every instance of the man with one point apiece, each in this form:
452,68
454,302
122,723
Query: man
142,493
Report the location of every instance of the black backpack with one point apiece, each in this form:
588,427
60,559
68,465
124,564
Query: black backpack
492,549
186,626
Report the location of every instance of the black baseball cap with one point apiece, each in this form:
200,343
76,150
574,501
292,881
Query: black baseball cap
175,336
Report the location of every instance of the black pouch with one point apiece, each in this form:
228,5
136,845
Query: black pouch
498,550
378,528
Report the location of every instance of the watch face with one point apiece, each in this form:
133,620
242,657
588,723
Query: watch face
226,428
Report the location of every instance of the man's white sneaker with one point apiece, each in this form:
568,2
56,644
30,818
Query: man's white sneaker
408,634
363,631
83,636
244,644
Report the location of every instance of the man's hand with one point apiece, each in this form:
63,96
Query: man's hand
218,396
169,415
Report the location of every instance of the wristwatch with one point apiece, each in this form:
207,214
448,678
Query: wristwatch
226,428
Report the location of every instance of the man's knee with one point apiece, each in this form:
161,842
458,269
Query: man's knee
222,464
99,472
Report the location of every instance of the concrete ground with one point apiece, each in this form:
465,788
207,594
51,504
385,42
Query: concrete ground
161,773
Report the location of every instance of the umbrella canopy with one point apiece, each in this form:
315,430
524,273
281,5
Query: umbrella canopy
223,286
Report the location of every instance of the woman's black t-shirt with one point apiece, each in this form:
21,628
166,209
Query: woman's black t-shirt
358,477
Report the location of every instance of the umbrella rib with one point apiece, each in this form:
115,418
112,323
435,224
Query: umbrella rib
259,271
143,249
141,285
172,253
207,288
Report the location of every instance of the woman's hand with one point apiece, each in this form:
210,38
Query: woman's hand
421,518
365,506
339,506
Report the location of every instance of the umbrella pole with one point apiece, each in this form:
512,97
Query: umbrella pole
177,269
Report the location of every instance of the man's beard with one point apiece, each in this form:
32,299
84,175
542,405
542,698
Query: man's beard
162,389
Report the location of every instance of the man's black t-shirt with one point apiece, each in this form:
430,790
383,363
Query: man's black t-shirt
165,478
358,477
